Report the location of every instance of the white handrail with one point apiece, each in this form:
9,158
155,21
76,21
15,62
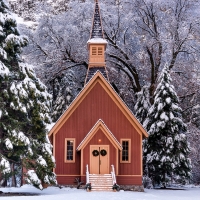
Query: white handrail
87,175
113,174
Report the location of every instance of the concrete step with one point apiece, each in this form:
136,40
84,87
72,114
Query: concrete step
103,178
101,182
96,176
102,186
99,190
96,179
97,185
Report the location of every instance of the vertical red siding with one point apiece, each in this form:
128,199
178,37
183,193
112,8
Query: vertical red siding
97,105
129,180
67,180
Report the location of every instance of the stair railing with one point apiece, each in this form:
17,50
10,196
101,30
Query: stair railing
113,174
87,175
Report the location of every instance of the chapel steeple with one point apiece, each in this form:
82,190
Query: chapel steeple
97,29
96,46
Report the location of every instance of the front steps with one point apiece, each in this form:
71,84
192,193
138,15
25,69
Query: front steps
101,182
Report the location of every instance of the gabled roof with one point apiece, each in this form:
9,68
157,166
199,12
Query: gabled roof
99,125
98,78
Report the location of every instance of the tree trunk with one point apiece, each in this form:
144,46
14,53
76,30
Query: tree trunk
4,184
13,175
22,176
164,181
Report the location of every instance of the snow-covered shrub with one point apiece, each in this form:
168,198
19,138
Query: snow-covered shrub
147,182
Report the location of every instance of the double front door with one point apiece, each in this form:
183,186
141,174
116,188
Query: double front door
99,159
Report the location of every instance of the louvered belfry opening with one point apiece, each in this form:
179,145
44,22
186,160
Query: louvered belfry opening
96,46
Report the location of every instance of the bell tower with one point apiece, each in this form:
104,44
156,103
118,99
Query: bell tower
96,46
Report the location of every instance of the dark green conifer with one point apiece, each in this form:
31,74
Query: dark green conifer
142,105
24,109
166,150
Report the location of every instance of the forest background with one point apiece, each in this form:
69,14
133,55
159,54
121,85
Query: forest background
143,36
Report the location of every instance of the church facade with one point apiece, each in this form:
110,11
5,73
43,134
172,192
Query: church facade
98,134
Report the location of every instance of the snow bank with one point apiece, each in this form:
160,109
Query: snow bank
52,193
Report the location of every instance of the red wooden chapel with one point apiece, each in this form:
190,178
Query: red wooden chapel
98,135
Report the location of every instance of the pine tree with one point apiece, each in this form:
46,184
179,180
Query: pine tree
166,149
64,88
24,108
142,106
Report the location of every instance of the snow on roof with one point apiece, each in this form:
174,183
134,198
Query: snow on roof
99,121
97,40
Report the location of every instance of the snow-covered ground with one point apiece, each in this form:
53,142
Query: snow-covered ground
54,193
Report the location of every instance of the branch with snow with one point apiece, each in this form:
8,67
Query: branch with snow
4,165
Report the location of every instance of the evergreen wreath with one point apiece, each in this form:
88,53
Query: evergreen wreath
103,152
116,187
88,185
95,153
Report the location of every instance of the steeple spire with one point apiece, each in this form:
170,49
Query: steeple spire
97,30
96,46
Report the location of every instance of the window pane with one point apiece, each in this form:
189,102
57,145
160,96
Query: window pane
70,146
125,151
